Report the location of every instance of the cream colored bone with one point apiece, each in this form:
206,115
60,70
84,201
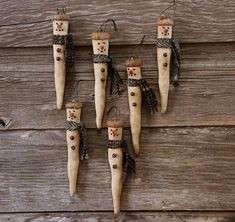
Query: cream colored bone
115,157
164,58
59,62
73,141
135,100
101,75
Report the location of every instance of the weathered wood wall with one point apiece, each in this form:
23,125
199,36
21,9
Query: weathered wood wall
188,155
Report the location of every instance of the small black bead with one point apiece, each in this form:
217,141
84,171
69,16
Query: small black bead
58,58
165,54
102,69
73,147
134,104
115,166
132,93
165,64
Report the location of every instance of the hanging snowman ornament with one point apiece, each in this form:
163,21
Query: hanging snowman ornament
103,69
120,161
76,142
168,58
63,53
136,86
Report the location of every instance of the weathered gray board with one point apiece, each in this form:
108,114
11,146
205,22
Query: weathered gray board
188,155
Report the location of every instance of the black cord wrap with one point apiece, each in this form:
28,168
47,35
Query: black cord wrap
147,90
175,59
71,125
67,41
129,165
116,81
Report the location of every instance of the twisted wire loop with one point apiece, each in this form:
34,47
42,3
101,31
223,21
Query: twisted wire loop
148,92
175,58
116,85
129,165
71,125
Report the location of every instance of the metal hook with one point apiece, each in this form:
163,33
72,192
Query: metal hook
169,7
136,48
61,11
101,29
116,113
76,88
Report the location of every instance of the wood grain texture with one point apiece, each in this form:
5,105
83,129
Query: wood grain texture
204,97
127,216
178,169
195,21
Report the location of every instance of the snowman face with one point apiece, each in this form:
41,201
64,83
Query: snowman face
60,27
115,133
100,46
134,72
73,115
164,31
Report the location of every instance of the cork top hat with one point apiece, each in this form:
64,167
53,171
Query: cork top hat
163,20
61,17
114,123
74,105
100,36
134,62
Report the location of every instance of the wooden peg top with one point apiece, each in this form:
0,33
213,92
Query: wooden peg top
100,35
163,20
132,62
114,123
74,105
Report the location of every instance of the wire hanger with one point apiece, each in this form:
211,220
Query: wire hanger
134,53
116,113
102,29
169,7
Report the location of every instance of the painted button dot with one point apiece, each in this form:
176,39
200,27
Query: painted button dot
114,166
73,147
132,93
72,137
114,155
58,58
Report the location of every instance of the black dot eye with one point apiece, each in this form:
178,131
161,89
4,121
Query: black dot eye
104,43
56,23
61,23
98,43
134,69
